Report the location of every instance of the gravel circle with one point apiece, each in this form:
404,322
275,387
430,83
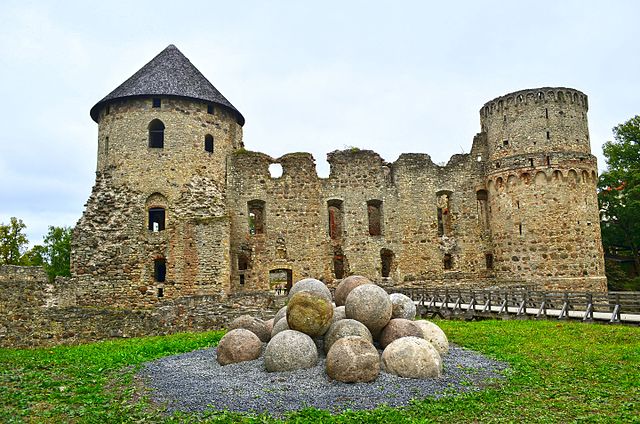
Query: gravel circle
195,382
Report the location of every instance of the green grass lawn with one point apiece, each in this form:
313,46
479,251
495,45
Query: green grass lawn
560,372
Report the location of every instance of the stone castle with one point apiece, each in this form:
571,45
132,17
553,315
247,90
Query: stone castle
180,208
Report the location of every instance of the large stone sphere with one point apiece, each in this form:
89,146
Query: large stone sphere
435,335
309,313
396,328
290,350
310,285
412,357
255,325
403,306
269,324
370,305
338,314
282,312
345,287
279,326
353,359
238,345
344,328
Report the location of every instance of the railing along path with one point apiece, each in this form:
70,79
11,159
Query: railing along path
612,307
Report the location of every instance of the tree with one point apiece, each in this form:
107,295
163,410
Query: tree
57,249
619,193
13,242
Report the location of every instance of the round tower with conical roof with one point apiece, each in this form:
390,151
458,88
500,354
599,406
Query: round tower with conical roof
156,224
541,182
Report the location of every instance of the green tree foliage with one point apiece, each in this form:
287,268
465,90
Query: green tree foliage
57,248
13,242
619,193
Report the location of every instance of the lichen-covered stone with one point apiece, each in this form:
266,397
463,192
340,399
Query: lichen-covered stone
344,328
309,313
370,305
397,328
412,357
255,325
290,350
238,345
353,359
345,287
434,334
311,285
403,306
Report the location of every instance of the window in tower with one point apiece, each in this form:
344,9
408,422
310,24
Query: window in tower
156,134
374,212
256,216
334,208
447,262
488,258
208,143
159,270
156,219
210,108
156,102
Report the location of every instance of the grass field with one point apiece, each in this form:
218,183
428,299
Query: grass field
560,372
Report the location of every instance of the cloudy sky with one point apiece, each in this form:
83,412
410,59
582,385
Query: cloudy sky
402,76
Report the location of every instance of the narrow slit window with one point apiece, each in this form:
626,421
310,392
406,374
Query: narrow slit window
546,113
208,143
334,210
210,108
374,212
156,134
386,262
156,102
160,292
531,162
106,145
159,270
107,110
156,219
488,258
447,262
548,135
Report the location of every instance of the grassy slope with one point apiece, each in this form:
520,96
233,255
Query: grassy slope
560,372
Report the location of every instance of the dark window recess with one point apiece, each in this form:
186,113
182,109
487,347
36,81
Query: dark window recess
447,262
208,143
548,135
374,211
338,265
256,216
530,162
160,292
334,208
156,134
159,270
386,262
242,279
107,110
546,113
488,258
156,219
548,159
243,262
505,143
210,109
106,145
156,102
520,228
440,223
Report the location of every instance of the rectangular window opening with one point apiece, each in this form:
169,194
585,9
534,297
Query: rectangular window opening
447,262
374,212
548,135
505,143
159,270
242,279
156,102
160,292
489,260
156,219
210,108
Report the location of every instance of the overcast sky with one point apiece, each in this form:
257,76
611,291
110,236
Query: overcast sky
394,77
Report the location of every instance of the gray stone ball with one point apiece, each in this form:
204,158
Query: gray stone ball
309,313
290,350
353,359
238,345
397,328
338,314
255,325
370,305
311,285
403,306
345,328
434,334
282,312
269,324
279,326
412,357
345,287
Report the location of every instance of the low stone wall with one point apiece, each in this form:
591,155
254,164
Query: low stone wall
36,313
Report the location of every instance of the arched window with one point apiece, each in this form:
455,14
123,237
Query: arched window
156,134
156,219
208,143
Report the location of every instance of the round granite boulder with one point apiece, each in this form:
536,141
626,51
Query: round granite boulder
338,314
353,359
290,350
412,357
279,326
345,287
310,285
370,305
238,345
309,313
403,306
255,325
345,328
269,324
434,334
396,328
282,312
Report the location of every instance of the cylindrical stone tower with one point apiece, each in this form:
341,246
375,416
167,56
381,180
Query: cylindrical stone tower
156,225
541,182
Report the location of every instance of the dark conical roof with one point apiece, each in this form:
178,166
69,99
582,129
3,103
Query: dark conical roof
170,73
